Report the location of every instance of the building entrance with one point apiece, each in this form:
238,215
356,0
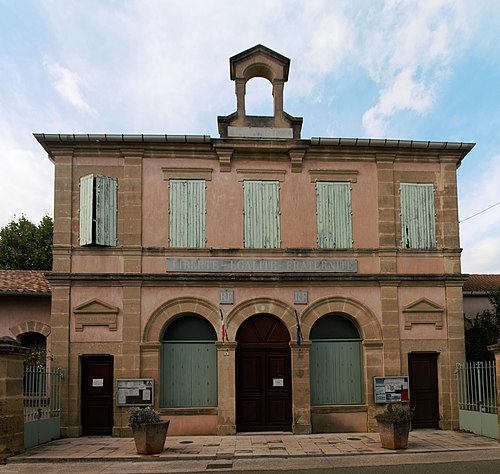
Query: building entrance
424,395
97,395
263,375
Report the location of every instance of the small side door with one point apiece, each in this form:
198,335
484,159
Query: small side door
424,395
97,395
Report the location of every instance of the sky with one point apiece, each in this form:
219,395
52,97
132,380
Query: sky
403,69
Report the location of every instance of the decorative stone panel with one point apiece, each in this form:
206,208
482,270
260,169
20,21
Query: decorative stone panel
96,313
423,311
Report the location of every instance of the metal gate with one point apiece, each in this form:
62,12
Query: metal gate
477,398
42,404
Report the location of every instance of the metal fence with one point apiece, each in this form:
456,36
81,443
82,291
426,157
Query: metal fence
42,404
477,397
476,386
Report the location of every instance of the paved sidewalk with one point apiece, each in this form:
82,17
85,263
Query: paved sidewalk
251,446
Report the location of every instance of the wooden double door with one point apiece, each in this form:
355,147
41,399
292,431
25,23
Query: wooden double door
263,375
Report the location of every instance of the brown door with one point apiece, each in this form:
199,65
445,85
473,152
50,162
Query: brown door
97,395
424,398
263,380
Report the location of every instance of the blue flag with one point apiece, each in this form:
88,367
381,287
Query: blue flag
299,331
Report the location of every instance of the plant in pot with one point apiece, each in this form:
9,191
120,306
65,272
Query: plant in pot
394,425
148,428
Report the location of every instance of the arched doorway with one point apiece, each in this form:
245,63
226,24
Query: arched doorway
263,375
188,363
336,362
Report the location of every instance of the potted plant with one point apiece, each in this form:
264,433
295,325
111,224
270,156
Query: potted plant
394,425
148,428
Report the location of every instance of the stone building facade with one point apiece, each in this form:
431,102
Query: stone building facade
261,280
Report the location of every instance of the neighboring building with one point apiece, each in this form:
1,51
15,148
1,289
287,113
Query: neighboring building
476,291
156,237
25,307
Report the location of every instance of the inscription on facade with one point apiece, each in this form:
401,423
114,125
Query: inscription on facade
226,297
261,265
300,296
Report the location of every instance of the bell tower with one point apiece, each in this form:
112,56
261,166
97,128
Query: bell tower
259,61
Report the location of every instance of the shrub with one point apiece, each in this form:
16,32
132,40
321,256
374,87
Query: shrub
139,415
396,412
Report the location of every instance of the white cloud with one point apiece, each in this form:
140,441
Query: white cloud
403,93
68,83
480,235
408,55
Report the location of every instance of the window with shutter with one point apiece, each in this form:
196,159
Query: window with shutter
188,364
98,209
187,213
334,215
336,362
418,218
262,214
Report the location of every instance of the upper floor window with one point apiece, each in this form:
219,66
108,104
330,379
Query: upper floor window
262,214
334,215
98,208
418,219
187,213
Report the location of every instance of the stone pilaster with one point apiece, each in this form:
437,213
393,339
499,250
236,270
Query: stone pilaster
60,349
301,388
226,389
390,328
11,397
63,210
130,210
374,362
387,213
455,353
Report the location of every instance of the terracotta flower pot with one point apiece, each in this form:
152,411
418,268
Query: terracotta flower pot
150,437
394,435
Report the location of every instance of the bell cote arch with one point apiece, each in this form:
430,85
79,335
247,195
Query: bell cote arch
263,62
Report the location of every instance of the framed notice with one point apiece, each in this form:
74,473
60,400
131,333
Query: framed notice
134,392
391,389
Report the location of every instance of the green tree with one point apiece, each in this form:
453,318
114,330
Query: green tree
483,331
25,245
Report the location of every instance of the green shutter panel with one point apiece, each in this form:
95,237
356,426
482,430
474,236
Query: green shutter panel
418,221
105,212
336,372
334,215
187,213
188,374
86,209
262,214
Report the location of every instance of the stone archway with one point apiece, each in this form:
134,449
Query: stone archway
352,309
371,334
172,308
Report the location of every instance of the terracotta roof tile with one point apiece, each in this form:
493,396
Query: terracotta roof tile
23,281
488,282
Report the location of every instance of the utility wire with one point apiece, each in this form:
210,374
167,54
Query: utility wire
480,212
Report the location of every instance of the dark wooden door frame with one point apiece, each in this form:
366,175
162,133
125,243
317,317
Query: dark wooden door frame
424,390
97,387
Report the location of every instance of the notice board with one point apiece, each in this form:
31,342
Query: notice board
134,392
391,389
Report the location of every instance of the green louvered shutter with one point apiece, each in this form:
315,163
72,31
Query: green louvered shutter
418,219
334,215
336,372
189,374
105,214
262,214
187,213
86,209
98,210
